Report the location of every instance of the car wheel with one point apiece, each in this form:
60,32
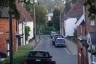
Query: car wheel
53,62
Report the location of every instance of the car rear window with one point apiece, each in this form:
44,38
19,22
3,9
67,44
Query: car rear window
38,54
60,40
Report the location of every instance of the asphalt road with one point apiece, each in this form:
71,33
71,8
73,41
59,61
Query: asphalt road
60,55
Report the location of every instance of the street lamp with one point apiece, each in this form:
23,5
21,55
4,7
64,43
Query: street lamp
34,19
10,32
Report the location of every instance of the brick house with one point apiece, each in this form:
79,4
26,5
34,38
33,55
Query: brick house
82,41
4,30
91,35
87,39
77,11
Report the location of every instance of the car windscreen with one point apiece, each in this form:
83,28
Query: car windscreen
38,54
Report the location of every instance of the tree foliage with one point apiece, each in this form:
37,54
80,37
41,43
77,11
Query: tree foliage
56,19
41,12
74,1
11,4
67,7
28,6
50,4
50,23
91,9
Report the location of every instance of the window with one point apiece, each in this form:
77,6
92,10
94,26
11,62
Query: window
92,23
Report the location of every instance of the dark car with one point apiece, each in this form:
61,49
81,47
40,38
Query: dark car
3,55
39,57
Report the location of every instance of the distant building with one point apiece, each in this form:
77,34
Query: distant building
75,11
70,26
49,16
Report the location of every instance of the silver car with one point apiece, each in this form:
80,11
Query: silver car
60,42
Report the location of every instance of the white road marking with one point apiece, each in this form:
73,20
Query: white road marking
68,51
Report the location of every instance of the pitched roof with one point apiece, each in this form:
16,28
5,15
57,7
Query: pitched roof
76,10
24,14
80,20
4,12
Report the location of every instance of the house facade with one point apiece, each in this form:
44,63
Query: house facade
82,45
91,31
75,12
26,19
86,32
70,26
4,30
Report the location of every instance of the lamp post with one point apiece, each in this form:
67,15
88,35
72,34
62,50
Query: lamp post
10,33
34,19
34,27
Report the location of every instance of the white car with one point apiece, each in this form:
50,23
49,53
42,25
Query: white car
60,42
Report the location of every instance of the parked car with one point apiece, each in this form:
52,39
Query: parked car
55,37
3,55
39,57
53,34
60,42
58,36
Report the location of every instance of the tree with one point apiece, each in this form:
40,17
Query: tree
50,4
40,12
56,19
67,7
12,5
50,23
28,5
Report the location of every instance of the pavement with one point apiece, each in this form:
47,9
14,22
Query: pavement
71,46
60,55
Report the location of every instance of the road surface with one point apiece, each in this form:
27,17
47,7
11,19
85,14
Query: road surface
60,55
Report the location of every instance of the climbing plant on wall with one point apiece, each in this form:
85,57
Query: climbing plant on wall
92,8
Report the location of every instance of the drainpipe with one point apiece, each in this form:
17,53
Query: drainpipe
91,51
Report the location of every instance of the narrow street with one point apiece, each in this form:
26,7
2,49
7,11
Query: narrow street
60,55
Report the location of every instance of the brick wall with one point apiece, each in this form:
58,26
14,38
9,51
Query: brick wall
82,51
4,28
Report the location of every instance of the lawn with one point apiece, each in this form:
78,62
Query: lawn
20,55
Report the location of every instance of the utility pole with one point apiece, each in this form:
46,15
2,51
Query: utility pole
34,22
10,32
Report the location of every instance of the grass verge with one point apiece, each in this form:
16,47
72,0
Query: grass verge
19,56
